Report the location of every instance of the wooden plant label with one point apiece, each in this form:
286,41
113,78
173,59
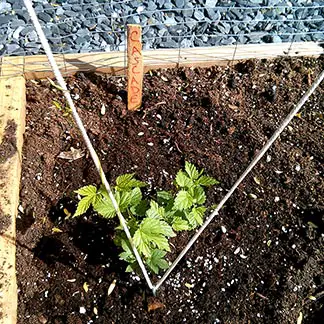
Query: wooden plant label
135,69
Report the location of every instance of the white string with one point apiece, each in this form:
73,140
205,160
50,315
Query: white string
257,158
83,131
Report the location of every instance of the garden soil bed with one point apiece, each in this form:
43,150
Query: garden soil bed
216,118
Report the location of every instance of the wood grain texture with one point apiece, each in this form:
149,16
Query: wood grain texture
135,70
12,125
115,63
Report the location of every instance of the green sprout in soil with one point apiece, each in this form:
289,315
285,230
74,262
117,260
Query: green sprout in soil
152,222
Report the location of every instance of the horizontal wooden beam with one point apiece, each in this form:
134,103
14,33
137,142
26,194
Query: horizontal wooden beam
37,66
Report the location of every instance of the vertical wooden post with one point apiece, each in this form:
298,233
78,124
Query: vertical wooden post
12,127
135,68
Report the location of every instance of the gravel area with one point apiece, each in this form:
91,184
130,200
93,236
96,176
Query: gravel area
99,25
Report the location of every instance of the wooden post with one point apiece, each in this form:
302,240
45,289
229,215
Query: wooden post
12,126
135,68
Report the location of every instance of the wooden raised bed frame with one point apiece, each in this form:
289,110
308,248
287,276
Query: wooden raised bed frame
15,70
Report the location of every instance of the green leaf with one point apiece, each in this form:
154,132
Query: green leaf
157,261
123,180
127,255
83,206
87,191
133,267
180,224
152,233
198,195
132,224
104,207
161,242
140,209
195,217
123,199
90,197
191,170
135,197
155,210
183,200
127,182
167,229
163,197
206,181
183,180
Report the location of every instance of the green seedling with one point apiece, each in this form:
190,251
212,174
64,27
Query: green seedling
152,222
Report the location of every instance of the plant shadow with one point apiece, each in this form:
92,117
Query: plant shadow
85,247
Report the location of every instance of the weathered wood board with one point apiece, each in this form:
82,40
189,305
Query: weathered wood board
115,63
12,125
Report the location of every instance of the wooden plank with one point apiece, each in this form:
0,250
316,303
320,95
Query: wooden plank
135,70
114,63
12,125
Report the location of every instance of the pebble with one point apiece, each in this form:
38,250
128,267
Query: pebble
223,228
103,109
82,310
96,16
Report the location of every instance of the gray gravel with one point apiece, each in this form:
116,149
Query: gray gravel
76,26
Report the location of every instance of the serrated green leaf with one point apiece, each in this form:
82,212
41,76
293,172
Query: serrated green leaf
191,219
180,224
196,215
163,197
83,206
132,225
89,194
157,261
183,180
123,199
206,181
198,195
140,209
87,191
127,182
169,215
104,207
127,255
136,183
133,267
161,242
191,170
167,229
183,200
135,196
123,180
151,233
155,210
199,213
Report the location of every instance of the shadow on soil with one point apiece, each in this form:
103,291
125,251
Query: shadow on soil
85,243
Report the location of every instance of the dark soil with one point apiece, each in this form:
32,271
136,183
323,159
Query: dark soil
5,221
216,118
8,146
